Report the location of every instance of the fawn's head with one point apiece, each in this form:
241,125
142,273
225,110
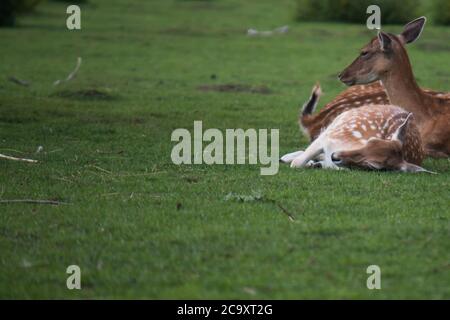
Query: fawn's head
381,53
380,154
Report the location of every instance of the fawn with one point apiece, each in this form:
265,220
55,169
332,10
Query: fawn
385,59
370,137
354,97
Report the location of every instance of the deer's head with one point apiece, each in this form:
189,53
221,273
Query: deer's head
380,154
381,53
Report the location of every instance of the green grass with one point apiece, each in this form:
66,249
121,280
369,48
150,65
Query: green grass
142,227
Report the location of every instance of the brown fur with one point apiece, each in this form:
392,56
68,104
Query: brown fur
387,153
397,86
370,137
391,65
391,134
314,124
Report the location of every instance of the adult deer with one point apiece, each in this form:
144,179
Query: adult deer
371,137
384,58
354,97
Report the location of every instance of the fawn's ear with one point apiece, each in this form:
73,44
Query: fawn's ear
401,131
412,30
409,167
385,41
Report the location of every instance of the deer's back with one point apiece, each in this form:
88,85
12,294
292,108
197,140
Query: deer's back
355,127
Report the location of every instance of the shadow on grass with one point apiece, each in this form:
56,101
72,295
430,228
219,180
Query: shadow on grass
85,95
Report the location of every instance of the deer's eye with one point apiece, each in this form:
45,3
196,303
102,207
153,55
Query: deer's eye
335,159
364,53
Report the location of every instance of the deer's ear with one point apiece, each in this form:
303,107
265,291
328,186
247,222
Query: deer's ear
385,41
409,167
412,30
401,131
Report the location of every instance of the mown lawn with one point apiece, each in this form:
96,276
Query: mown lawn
141,227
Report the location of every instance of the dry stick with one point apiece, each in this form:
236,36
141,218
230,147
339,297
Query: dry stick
71,75
19,81
290,216
2,156
13,150
100,169
285,211
254,32
52,202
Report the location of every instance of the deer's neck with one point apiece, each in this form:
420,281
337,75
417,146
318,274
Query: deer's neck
403,90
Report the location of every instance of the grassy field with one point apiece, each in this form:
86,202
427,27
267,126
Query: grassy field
141,227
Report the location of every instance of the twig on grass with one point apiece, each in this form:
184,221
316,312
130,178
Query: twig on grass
20,82
259,197
254,32
51,202
100,169
61,179
3,156
283,209
71,75
111,194
138,174
13,150
289,215
121,175
56,150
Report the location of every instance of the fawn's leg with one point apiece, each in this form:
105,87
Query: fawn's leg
287,158
310,153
